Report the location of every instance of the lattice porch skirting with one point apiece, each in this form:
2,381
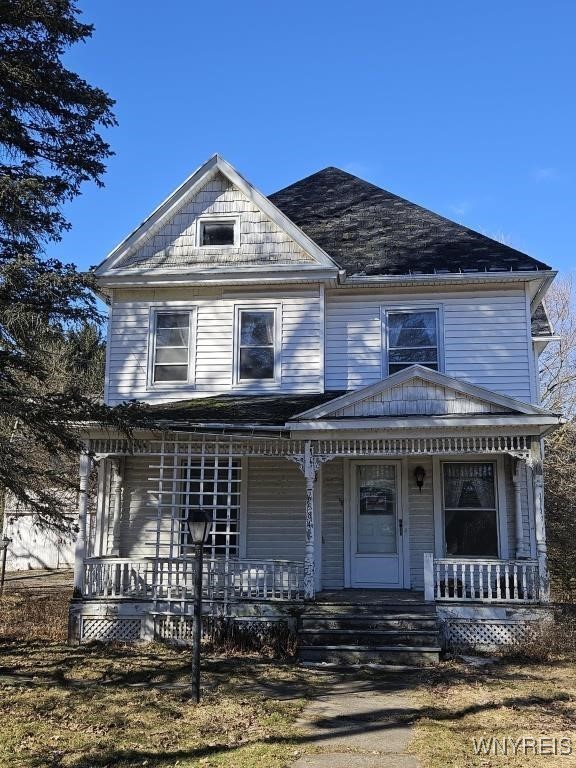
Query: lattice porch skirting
485,634
110,629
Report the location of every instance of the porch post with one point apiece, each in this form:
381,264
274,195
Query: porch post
80,552
309,565
540,526
116,502
520,544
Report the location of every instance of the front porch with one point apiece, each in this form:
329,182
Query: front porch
448,507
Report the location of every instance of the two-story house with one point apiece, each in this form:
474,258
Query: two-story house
348,382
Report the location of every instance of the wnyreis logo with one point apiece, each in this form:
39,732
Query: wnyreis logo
523,745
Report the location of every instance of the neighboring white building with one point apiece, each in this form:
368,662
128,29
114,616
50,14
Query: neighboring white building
348,382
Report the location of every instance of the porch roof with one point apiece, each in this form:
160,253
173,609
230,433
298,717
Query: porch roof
237,410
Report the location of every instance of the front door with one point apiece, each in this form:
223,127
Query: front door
376,525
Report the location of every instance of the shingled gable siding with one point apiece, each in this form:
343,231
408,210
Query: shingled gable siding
301,341
485,337
275,506
259,240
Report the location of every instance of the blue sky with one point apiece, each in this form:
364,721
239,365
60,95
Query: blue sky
466,107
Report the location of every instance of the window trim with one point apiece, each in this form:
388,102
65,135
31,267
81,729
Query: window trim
390,309
218,219
171,308
501,505
257,384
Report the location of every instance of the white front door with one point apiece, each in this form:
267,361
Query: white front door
376,525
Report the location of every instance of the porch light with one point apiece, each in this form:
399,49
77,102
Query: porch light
419,475
198,522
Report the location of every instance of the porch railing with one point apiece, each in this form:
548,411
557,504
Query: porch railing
170,579
481,580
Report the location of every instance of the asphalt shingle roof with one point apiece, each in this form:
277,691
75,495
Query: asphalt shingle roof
368,230
264,410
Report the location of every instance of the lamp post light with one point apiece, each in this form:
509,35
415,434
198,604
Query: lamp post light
199,522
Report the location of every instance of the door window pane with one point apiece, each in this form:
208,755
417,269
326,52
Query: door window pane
412,339
256,357
376,509
470,515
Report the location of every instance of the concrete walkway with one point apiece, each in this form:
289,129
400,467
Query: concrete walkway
361,724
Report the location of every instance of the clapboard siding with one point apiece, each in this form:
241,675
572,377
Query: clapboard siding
139,512
421,519
299,315
485,337
332,516
275,508
511,506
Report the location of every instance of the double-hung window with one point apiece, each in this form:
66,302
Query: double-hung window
171,352
256,359
470,508
412,338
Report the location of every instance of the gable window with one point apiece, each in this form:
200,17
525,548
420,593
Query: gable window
217,232
470,511
412,339
172,337
256,359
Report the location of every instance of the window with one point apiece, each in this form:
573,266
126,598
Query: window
171,361
470,514
256,345
217,232
412,338
213,484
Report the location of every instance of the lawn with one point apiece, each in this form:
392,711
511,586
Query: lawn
97,706
116,705
514,699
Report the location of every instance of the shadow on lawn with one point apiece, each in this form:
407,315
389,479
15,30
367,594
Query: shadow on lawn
375,721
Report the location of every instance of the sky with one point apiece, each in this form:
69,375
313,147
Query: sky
466,107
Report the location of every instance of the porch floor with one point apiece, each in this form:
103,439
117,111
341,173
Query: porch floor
354,596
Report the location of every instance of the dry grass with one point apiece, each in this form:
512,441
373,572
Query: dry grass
97,706
511,699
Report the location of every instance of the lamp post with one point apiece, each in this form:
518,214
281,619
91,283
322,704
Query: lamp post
4,547
199,522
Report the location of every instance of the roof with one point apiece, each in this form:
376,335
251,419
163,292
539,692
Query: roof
370,231
261,410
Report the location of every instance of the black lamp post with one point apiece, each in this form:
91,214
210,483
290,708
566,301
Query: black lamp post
199,522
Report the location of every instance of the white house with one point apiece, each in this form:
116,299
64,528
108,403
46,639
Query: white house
349,383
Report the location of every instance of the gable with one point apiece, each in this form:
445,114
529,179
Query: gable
261,241
167,240
420,391
417,397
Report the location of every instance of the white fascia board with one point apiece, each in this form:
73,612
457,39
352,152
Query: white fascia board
466,422
171,204
252,276
537,292
456,278
434,377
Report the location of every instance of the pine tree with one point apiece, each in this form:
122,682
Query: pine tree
50,145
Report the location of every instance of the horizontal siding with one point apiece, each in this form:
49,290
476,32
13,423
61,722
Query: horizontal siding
275,510
300,342
485,338
139,511
421,520
333,524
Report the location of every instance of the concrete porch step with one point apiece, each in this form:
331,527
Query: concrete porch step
369,621
362,637
359,609
364,654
